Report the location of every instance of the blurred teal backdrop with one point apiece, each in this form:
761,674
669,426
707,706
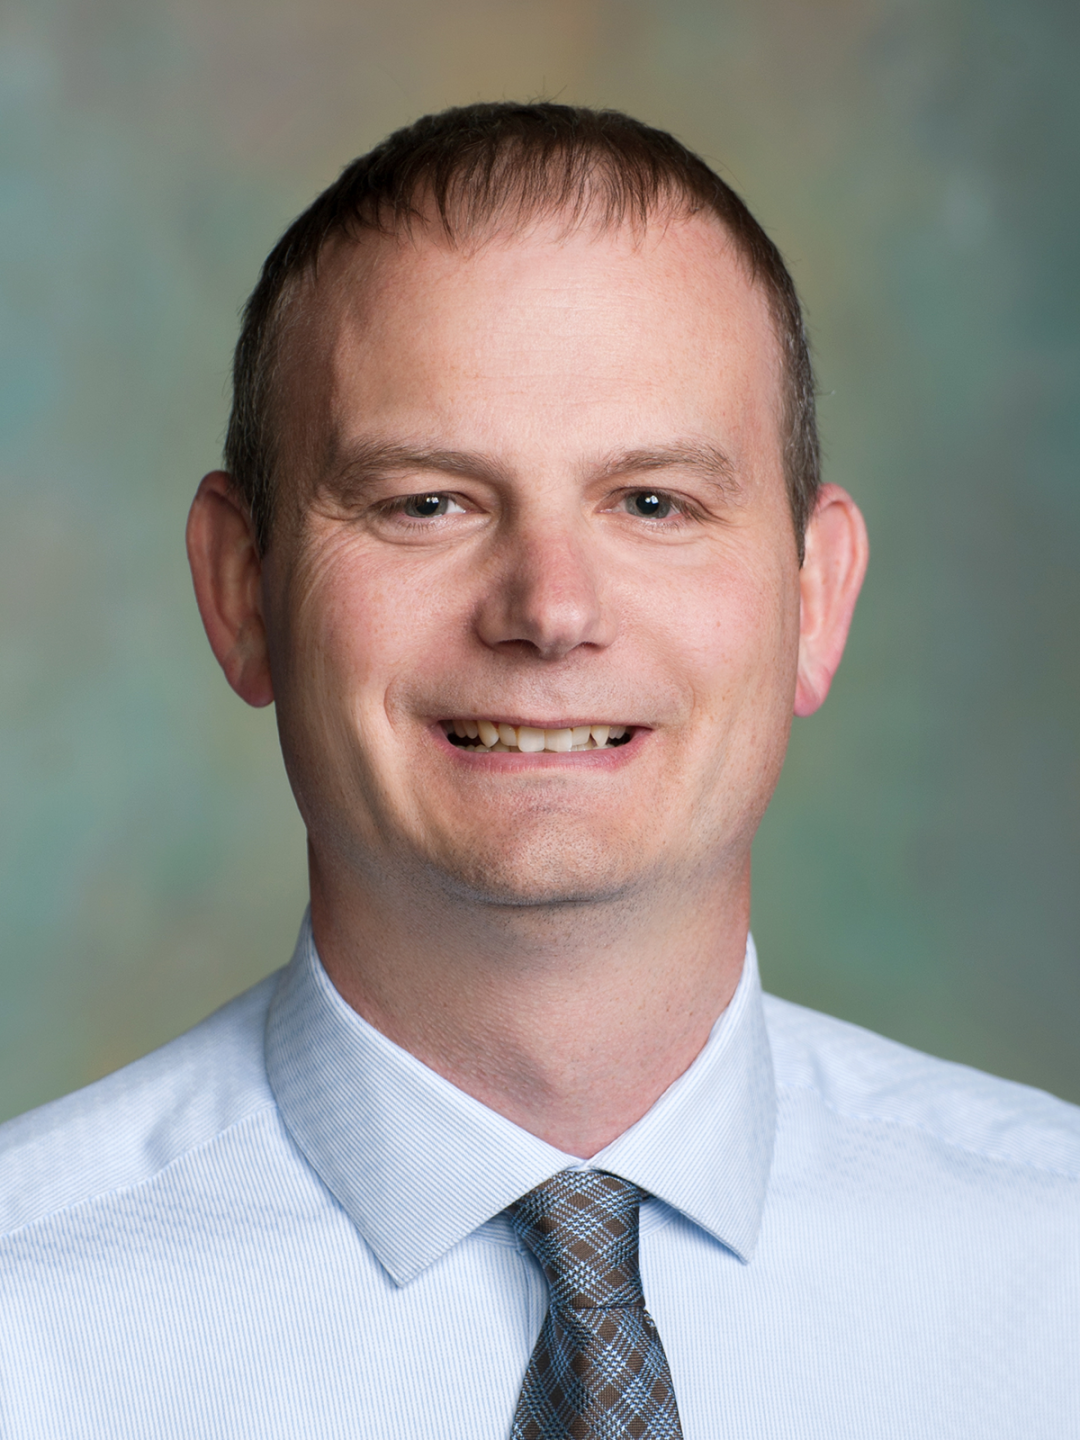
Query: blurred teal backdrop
917,162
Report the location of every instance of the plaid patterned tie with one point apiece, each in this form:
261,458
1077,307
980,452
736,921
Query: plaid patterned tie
598,1371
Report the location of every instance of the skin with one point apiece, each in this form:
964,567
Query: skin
555,934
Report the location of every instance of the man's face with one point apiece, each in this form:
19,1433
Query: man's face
541,485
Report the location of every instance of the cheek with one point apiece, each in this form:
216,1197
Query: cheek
339,650
744,702
322,648
362,635
745,666
741,633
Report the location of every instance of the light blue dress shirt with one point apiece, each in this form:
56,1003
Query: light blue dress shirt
283,1225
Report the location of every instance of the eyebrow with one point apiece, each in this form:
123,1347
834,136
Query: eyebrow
369,461
707,461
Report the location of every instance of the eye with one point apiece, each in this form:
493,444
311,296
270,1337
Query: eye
429,507
649,504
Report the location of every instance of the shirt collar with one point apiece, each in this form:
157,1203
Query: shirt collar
418,1165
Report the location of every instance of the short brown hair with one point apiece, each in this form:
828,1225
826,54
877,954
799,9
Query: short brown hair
475,165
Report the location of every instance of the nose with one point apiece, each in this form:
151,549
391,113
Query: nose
545,593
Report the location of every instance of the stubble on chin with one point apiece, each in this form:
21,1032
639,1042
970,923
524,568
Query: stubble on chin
541,866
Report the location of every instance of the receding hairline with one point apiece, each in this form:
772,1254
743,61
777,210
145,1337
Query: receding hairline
484,167
332,265
506,228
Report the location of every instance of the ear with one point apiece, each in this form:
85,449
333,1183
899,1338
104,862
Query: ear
837,550
227,571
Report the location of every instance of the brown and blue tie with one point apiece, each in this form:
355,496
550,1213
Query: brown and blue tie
598,1371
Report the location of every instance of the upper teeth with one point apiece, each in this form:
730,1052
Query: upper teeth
530,739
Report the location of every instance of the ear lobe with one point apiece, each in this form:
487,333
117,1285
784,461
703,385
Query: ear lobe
227,571
837,550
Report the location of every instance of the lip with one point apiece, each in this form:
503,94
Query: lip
518,720
545,760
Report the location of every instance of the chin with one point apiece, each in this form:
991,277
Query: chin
544,873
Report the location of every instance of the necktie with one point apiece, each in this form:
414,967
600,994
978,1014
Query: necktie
598,1371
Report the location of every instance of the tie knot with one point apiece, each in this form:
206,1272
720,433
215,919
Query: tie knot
582,1226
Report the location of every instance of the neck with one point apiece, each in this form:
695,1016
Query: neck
570,1020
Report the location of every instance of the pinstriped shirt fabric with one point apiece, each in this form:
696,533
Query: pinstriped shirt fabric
282,1225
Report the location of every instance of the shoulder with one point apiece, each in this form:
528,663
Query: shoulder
132,1125
865,1078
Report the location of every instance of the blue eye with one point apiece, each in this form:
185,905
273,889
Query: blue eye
649,505
426,507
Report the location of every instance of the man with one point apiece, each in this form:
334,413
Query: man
523,535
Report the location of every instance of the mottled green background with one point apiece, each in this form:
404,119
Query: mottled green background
917,161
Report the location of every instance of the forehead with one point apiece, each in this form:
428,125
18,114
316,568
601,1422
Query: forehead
541,340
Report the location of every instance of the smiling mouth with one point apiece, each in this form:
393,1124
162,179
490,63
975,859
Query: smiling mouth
495,737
